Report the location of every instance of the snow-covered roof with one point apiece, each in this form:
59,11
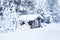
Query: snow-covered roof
29,17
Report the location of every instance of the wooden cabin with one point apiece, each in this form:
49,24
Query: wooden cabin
33,20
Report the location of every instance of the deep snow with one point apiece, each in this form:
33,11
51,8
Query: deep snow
50,32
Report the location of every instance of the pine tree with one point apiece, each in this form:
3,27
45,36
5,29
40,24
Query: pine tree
53,9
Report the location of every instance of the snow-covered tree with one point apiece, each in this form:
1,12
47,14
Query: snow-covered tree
54,9
27,6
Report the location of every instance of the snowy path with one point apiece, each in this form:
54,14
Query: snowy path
51,32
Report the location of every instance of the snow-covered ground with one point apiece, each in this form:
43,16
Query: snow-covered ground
50,32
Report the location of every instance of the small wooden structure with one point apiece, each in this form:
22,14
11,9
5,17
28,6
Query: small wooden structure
33,20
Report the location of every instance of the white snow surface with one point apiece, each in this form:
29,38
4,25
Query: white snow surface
50,32
29,17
